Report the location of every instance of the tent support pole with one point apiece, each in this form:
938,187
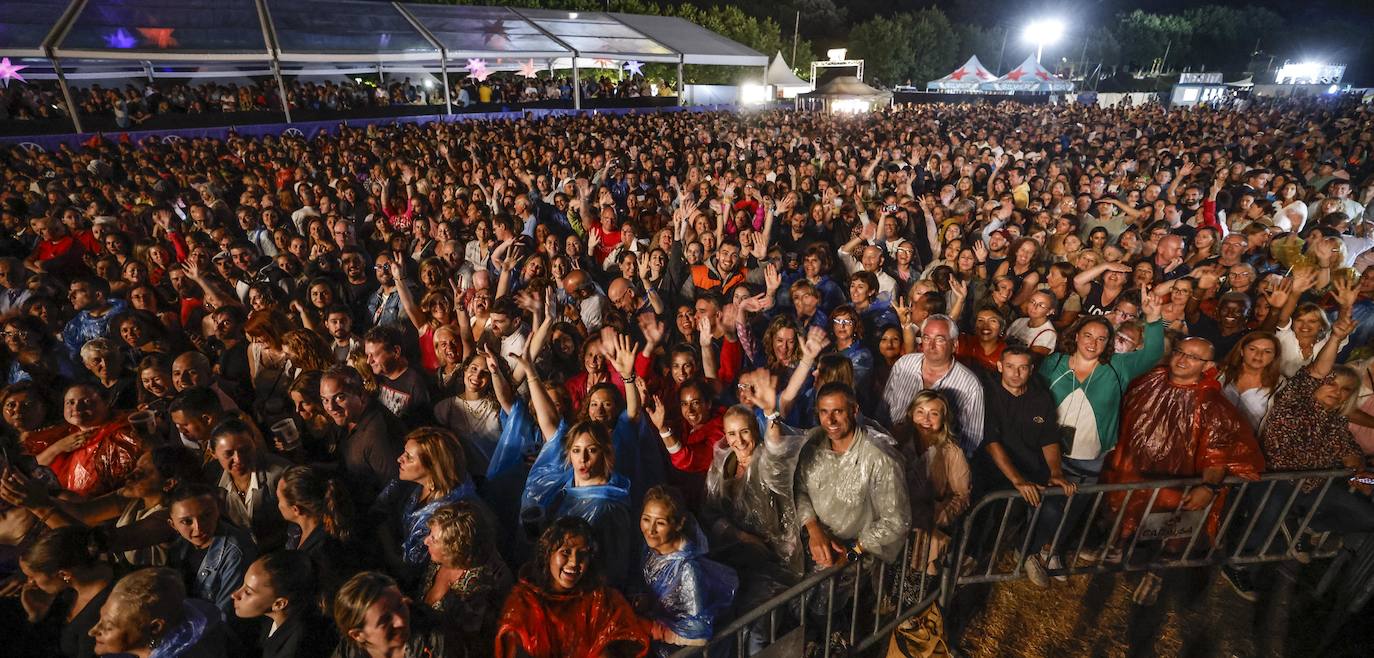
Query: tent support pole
577,85
66,94
681,84
281,89
443,70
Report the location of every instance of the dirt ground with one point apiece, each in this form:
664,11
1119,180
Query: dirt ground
1196,615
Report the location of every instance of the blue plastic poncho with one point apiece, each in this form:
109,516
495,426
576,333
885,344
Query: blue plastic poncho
550,494
691,591
415,517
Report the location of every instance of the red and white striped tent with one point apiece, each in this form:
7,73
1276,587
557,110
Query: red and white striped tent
1029,76
964,78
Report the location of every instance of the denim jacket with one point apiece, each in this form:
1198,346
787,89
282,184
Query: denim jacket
221,571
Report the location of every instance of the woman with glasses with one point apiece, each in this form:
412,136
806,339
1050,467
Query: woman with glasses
34,354
848,329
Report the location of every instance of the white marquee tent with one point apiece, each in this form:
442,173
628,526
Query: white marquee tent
1029,76
964,78
781,78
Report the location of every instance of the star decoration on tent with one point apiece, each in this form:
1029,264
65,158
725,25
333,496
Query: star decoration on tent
494,33
477,68
1016,75
959,75
159,36
120,39
633,68
1043,75
528,69
601,63
10,71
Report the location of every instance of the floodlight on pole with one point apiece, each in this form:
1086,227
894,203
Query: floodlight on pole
1042,32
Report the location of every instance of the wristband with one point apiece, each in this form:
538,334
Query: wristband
665,433
773,417
628,380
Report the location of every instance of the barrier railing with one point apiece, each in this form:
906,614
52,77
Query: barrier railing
847,608
853,606
1182,536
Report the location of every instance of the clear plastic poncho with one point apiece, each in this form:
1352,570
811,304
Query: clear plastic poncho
762,501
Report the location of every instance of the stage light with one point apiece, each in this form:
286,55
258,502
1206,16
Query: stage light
1042,32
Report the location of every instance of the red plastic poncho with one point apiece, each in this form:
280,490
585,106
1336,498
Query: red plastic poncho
1177,431
574,625
97,467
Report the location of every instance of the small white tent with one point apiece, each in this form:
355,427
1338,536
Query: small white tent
1029,76
964,78
784,82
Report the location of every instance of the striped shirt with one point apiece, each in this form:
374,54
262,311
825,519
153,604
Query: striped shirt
960,386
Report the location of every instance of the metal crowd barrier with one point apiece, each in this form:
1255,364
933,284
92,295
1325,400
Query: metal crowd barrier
844,609
1076,530
852,607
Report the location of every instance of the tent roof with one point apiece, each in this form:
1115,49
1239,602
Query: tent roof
781,75
348,31
595,35
972,71
25,26
846,85
697,44
164,30
485,32
1030,76
345,30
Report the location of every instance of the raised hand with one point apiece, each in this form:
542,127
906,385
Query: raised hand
1343,328
652,328
624,355
1278,296
1118,266
957,287
754,304
903,309
1344,291
658,414
704,335
763,386
980,250
1304,279
1150,305
816,341
772,278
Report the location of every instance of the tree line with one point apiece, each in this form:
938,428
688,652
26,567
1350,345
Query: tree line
903,40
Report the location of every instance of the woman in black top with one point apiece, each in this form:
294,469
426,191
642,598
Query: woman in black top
282,587
318,511
68,582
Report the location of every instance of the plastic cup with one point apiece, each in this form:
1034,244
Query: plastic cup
285,430
143,421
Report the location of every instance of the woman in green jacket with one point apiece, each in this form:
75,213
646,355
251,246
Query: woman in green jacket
1088,380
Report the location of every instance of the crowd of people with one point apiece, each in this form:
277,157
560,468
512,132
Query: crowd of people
594,385
136,104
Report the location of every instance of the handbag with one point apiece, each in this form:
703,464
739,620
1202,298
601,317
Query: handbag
922,636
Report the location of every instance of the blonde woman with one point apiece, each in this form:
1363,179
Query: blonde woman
938,475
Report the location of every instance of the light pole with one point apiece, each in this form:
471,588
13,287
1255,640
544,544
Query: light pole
1043,31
